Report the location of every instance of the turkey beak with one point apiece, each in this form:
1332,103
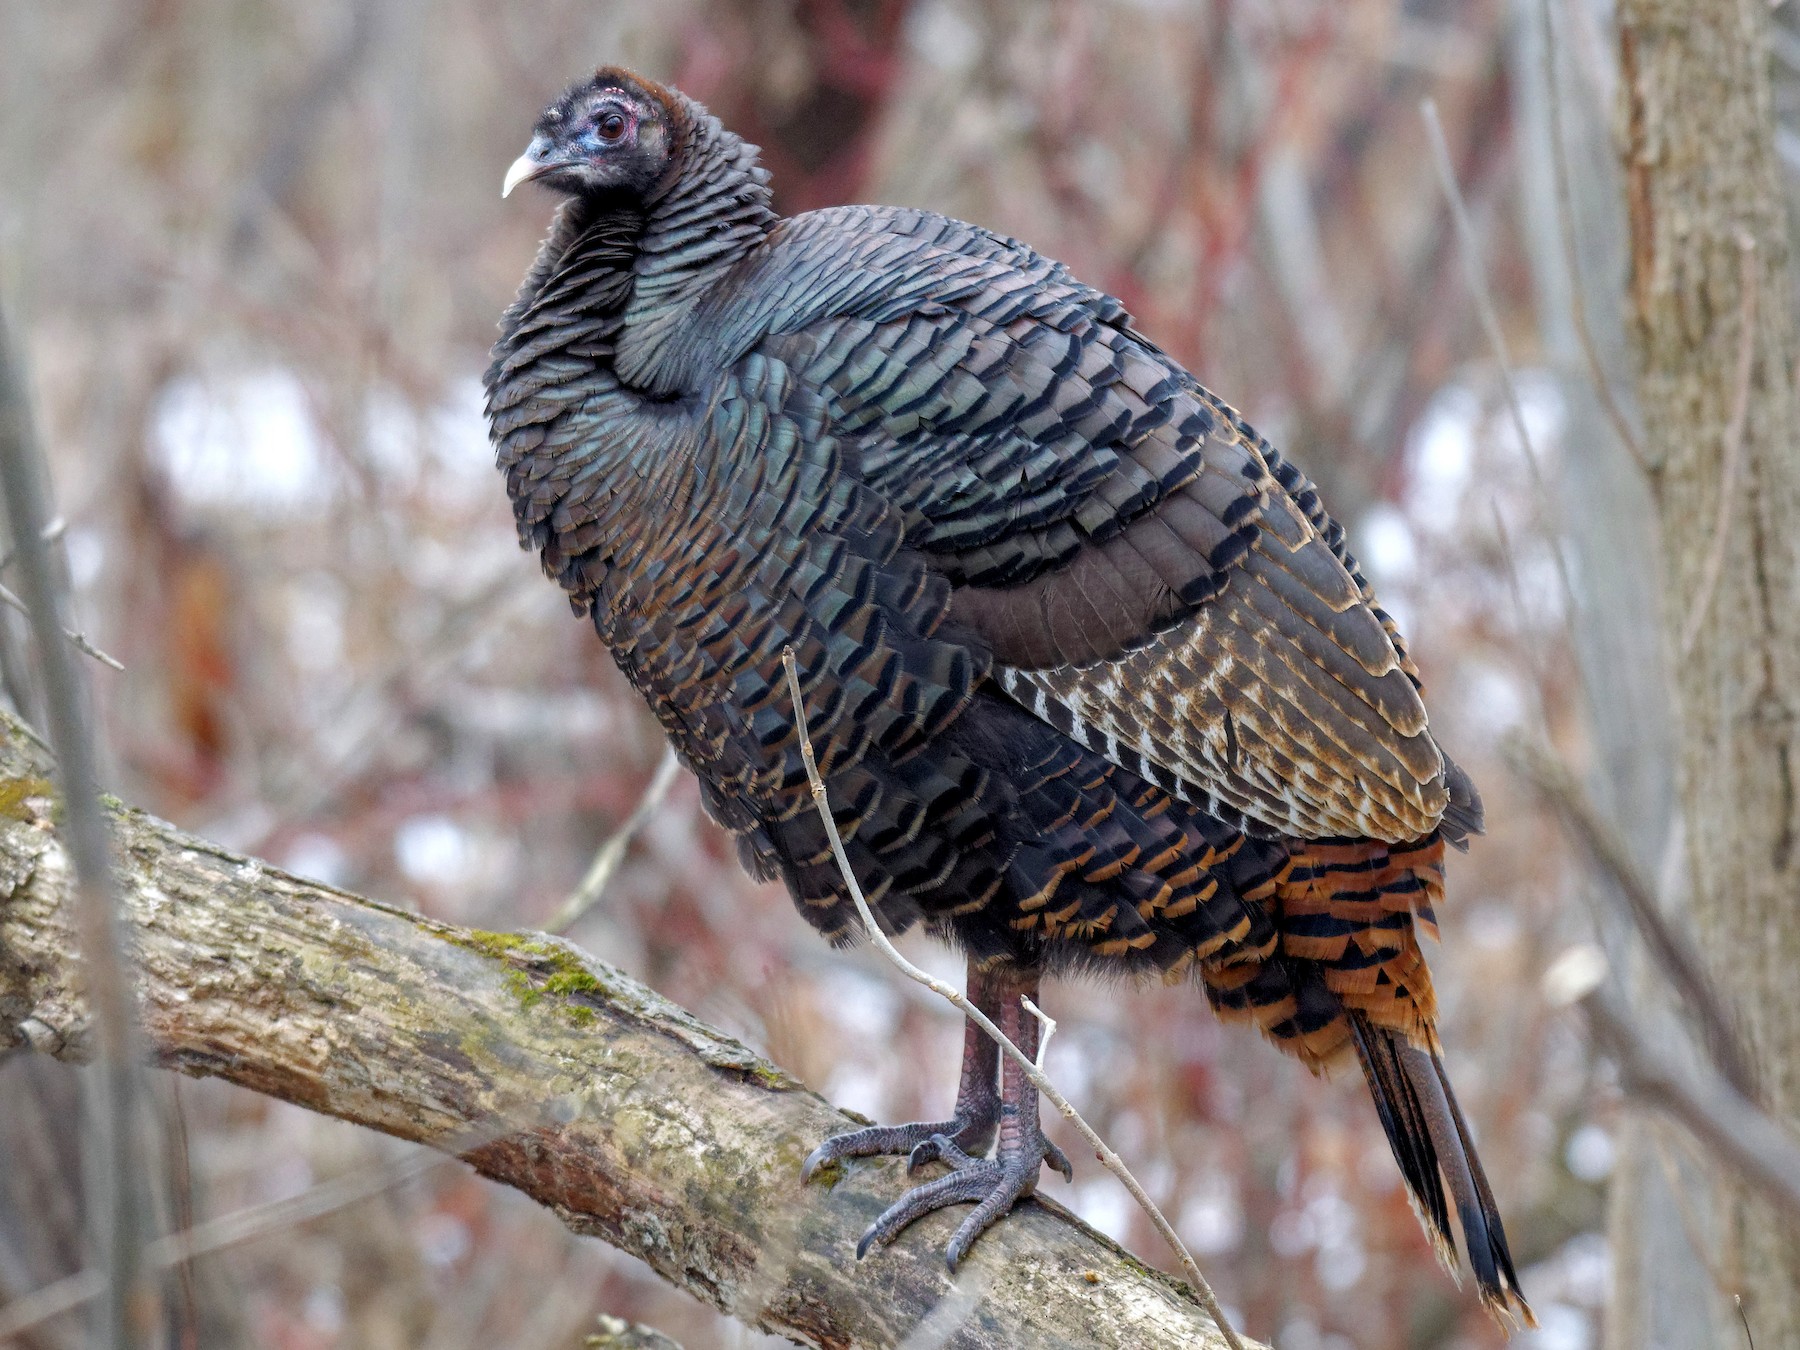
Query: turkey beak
534,163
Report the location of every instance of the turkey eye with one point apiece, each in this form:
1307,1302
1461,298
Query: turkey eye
611,127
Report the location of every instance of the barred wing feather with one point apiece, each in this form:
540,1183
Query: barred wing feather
1149,575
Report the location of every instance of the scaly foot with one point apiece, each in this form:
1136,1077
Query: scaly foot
969,1131
993,1185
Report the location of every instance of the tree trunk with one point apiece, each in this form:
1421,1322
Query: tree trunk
1709,303
1659,1274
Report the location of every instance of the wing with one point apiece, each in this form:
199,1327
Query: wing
1150,575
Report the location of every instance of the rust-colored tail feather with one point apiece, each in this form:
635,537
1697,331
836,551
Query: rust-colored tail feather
1432,1145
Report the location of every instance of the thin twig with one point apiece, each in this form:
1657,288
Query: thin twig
1558,790
1102,1150
1046,1022
1478,289
121,1171
1748,282
1470,249
213,1235
1565,215
1714,1112
612,852
78,640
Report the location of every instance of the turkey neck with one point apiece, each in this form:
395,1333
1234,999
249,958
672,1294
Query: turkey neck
597,390
697,227
638,271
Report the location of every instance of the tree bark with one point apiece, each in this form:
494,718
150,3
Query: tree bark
1708,271
1659,1273
546,1070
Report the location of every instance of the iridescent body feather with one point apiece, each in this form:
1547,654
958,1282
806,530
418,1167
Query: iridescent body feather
1092,679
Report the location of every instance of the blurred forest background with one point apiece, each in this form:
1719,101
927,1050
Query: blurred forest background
255,250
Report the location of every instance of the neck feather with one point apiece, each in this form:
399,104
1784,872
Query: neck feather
709,215
622,281
576,291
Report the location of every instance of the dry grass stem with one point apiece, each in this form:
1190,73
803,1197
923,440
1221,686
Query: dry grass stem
1470,249
1102,1150
1047,1022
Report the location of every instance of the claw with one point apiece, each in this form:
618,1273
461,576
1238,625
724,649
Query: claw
876,1139
979,1182
920,1143
982,1115
993,1186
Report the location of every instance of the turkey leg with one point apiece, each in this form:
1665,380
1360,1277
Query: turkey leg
992,1185
973,1120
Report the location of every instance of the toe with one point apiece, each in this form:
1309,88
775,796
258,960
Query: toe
938,1147
958,1188
999,1200
876,1139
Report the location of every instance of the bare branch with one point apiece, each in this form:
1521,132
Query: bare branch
1732,1126
78,640
635,1122
1033,1072
120,1211
612,852
1557,789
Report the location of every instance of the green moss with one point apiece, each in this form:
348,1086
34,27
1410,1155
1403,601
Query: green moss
770,1076
1138,1268
535,969
575,981
15,793
492,944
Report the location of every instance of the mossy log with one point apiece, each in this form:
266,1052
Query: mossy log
546,1070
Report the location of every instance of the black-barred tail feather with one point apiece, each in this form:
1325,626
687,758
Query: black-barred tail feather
1432,1145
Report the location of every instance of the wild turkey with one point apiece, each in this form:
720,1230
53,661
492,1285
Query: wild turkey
1094,682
